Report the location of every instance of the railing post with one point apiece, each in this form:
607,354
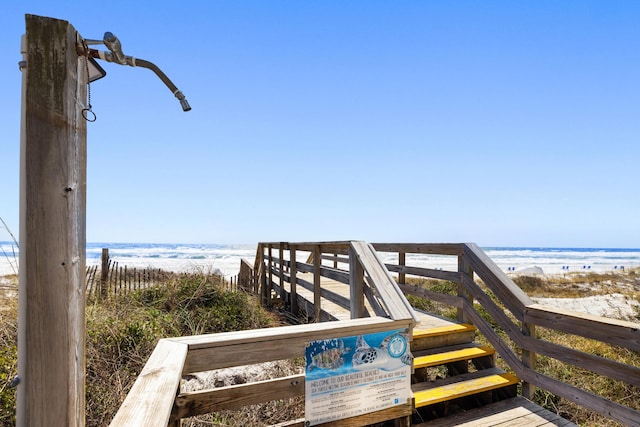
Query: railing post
267,295
401,263
293,268
317,291
281,272
261,281
356,285
463,269
528,360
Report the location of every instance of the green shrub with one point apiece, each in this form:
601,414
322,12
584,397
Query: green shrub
8,363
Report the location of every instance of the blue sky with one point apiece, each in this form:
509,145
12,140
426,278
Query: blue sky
502,123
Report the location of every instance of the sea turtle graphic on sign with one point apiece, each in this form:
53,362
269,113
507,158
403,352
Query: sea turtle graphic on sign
329,358
390,355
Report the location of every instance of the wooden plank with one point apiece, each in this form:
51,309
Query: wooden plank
505,413
462,388
237,396
396,304
429,273
612,331
215,351
53,163
442,358
453,249
442,330
600,365
452,300
150,400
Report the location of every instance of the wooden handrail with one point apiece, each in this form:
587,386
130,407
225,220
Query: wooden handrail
615,332
151,399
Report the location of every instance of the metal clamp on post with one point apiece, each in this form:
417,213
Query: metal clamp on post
116,55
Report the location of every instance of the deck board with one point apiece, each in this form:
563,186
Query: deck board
513,412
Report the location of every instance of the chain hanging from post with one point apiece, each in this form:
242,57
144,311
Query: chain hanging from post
87,112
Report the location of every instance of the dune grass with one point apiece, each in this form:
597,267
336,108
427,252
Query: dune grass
122,331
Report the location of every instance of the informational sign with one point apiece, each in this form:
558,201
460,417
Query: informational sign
351,376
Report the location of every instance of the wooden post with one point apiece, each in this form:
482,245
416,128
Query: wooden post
294,280
281,272
356,285
528,360
270,274
317,291
51,336
464,268
402,263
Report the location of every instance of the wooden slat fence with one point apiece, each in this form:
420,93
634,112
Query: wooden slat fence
119,279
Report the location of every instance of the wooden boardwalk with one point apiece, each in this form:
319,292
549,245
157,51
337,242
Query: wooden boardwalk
516,411
425,321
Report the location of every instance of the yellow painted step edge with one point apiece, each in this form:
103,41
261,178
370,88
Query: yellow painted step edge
443,330
451,356
462,389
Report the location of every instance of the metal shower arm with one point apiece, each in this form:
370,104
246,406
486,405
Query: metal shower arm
116,55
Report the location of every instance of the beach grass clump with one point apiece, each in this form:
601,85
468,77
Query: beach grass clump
8,356
122,331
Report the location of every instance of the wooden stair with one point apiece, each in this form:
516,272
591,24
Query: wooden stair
454,374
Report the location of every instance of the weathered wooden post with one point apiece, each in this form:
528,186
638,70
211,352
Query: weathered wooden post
356,284
294,280
51,334
317,290
464,269
402,262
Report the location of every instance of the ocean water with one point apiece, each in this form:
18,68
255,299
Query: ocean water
226,258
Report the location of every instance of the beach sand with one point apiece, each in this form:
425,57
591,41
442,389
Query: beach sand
612,306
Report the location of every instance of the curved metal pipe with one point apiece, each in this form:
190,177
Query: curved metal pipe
116,55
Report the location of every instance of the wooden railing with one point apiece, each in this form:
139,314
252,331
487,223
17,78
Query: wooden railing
156,399
376,304
518,320
372,289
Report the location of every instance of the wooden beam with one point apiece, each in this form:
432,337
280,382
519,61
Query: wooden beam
51,336
617,332
237,396
150,400
223,350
